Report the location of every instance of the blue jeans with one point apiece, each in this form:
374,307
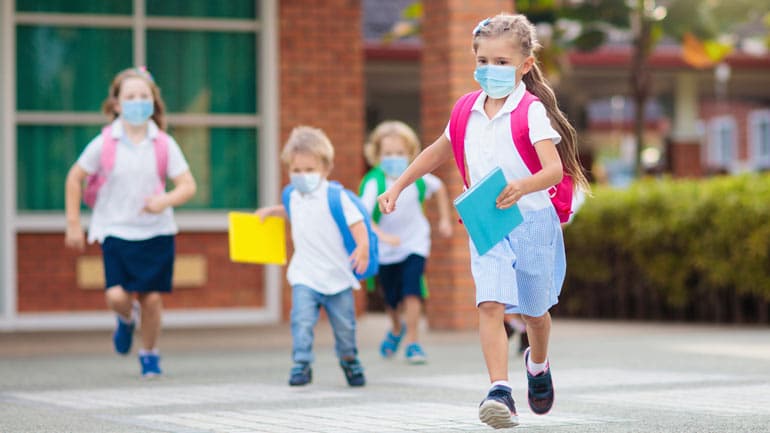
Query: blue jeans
305,306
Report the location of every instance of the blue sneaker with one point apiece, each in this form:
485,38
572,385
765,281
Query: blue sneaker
415,355
540,394
301,374
123,336
389,345
150,364
498,410
354,372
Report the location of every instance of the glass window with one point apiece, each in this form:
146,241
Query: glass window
44,156
722,144
216,72
224,163
121,7
68,69
243,9
759,134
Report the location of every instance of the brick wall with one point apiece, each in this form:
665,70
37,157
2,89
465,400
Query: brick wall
447,73
322,83
48,279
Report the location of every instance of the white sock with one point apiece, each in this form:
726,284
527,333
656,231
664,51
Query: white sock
154,351
500,383
536,368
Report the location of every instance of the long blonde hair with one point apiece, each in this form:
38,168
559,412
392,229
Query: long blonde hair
522,32
109,105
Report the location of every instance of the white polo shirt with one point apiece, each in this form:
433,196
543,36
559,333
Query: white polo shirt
320,260
134,177
408,221
488,143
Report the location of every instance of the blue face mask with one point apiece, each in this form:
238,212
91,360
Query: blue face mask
393,166
136,112
305,182
497,81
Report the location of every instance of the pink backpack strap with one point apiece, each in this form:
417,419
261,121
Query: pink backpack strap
458,123
160,143
109,148
520,133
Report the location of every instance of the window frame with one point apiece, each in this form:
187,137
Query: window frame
264,120
715,155
755,119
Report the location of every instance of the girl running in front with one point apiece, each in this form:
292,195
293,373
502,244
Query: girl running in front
524,272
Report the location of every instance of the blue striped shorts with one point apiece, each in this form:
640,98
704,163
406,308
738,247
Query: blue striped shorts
524,271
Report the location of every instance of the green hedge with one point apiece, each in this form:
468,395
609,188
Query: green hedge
672,249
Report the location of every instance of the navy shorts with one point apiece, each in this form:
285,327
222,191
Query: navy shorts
139,266
402,279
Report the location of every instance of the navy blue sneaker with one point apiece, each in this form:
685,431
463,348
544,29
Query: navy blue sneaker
301,374
354,372
150,365
540,394
498,410
123,336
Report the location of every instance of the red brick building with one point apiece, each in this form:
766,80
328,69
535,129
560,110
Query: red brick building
294,62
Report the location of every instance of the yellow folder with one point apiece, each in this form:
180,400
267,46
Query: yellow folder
255,240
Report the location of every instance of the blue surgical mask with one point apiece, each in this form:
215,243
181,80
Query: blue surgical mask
136,112
393,166
305,182
497,81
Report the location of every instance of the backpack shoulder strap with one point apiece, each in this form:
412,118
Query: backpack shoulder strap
286,198
378,175
109,149
421,187
458,122
160,143
334,196
520,133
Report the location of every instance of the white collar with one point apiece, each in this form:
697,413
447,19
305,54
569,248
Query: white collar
118,132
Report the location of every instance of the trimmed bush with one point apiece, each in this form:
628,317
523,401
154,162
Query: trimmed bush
672,249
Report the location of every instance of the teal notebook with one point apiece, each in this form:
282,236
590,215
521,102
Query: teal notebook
486,224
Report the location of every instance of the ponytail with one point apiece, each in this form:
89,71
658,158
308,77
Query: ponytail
568,148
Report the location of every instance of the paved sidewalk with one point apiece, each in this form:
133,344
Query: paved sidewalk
609,376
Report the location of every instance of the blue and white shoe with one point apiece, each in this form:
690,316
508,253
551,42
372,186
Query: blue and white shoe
415,355
150,364
498,410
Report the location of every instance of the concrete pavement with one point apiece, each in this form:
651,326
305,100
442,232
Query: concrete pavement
609,377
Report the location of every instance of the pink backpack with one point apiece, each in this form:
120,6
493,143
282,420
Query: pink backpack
561,193
95,181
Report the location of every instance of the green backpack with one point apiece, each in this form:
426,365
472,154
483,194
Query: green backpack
378,175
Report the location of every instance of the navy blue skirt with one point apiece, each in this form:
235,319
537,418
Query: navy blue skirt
139,266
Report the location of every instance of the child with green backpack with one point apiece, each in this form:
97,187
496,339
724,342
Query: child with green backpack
391,147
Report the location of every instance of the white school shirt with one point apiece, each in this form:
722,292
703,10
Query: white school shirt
488,143
134,177
320,260
408,221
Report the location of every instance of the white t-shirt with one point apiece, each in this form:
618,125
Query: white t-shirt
320,260
134,177
408,221
488,143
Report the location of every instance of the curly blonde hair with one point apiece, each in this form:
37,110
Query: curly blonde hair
386,129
